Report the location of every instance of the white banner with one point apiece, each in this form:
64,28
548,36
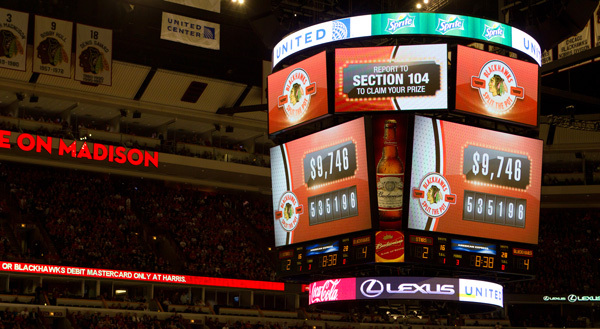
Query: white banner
547,57
580,42
596,20
13,39
190,31
211,5
52,46
93,55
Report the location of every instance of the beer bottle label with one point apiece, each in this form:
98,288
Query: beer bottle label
389,191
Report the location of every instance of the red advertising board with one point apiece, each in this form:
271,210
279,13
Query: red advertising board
389,247
70,271
391,78
496,86
320,185
298,93
475,182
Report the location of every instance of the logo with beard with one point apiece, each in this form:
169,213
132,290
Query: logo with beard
50,51
10,46
297,93
497,86
434,195
92,61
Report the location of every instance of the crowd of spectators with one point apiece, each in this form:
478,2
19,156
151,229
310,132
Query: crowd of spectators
566,260
102,220
95,320
15,319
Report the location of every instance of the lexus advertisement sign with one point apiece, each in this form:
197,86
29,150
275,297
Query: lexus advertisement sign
423,288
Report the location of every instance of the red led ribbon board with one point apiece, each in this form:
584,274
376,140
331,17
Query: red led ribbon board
297,93
496,86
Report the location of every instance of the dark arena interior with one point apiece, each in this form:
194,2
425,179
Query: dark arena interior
299,164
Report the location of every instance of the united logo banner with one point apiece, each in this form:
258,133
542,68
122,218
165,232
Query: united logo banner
52,46
93,55
190,31
13,39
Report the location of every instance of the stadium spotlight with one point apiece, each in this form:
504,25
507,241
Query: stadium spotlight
418,6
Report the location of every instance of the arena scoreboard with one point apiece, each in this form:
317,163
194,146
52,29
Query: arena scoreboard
329,254
466,253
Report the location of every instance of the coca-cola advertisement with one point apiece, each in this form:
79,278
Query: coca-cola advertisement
332,290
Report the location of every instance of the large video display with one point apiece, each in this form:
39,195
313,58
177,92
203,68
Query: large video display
391,78
475,182
297,93
496,86
320,185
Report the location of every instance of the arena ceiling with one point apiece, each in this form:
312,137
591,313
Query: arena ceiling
152,75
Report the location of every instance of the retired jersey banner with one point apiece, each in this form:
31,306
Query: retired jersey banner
93,55
496,86
580,42
13,39
596,20
210,5
52,46
297,93
190,31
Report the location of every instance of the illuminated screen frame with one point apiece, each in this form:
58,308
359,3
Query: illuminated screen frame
495,86
413,288
298,93
450,192
391,78
321,185
429,24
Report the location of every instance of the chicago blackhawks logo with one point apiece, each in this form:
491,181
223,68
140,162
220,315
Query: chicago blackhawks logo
296,95
289,211
435,195
497,87
51,51
10,46
92,61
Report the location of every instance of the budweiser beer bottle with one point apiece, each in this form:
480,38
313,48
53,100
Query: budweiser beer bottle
390,180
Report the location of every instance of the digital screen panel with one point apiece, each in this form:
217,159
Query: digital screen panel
475,182
389,150
395,78
297,93
496,86
413,288
320,185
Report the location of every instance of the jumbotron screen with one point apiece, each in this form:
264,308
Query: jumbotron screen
395,78
298,93
475,182
320,184
496,86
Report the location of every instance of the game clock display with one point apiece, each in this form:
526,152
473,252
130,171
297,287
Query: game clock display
311,257
448,251
474,182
